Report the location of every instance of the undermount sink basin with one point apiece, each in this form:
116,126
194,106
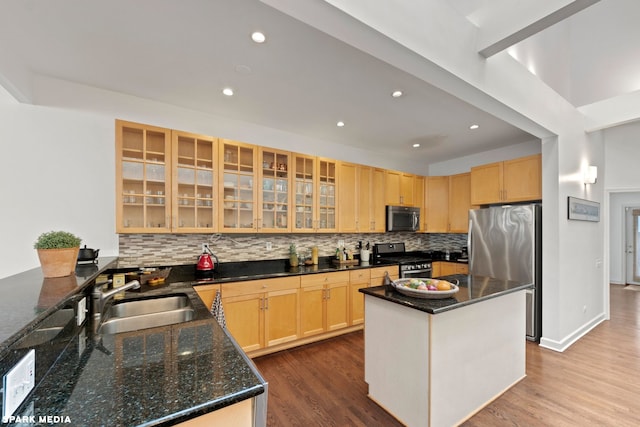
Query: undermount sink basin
138,314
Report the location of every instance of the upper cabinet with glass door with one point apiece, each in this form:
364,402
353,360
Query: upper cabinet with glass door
314,194
238,212
327,185
143,159
274,198
194,177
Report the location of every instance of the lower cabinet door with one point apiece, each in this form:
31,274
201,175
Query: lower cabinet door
244,319
312,310
337,306
282,318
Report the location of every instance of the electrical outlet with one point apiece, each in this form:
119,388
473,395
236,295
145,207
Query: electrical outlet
419,241
269,247
340,243
205,246
18,382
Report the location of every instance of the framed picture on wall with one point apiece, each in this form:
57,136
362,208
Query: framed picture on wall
583,210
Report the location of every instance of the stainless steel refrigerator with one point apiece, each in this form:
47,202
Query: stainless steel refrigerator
505,242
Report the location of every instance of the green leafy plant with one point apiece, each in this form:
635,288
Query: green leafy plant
292,249
57,240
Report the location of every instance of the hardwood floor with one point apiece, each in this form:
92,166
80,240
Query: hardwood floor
595,382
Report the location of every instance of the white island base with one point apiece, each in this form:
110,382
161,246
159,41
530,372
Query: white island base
439,369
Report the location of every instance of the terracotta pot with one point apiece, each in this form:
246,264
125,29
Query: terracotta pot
58,262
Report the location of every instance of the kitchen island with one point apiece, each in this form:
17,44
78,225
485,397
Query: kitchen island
436,362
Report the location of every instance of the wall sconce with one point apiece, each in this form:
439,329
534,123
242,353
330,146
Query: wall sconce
591,175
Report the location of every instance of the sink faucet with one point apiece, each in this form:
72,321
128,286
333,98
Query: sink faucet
100,298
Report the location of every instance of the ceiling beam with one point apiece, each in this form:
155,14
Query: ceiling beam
515,21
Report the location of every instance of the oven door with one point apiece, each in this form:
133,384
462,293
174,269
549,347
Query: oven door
421,274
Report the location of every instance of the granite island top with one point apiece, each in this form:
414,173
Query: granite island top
473,289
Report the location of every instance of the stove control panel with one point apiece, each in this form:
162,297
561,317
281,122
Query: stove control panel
416,266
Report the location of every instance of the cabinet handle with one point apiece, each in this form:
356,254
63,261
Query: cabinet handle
328,293
266,303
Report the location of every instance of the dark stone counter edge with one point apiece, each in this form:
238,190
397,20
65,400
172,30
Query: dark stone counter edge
105,264
436,310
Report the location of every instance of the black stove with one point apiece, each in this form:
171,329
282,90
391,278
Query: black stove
412,264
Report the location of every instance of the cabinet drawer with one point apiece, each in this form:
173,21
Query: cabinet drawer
259,286
323,278
360,276
377,273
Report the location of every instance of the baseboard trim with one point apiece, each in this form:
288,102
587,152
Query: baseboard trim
564,344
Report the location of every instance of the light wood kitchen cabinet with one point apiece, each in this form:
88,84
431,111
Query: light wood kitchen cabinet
419,191
207,293
399,188
437,204
274,191
194,193
143,178
444,268
377,210
447,203
324,301
315,196
238,211
378,274
513,180
358,279
459,202
348,199
361,199
262,313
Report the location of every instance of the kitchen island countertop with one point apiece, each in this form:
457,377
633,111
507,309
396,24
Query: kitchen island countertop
473,289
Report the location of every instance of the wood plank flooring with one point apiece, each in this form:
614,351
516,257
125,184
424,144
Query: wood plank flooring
596,382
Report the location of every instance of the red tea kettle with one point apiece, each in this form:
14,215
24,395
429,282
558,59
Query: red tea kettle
205,263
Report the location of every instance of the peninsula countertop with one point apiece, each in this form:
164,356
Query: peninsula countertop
473,289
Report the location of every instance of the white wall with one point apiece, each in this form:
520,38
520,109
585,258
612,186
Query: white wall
622,154
56,172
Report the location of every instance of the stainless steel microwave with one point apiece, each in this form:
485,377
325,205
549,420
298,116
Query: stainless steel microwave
403,218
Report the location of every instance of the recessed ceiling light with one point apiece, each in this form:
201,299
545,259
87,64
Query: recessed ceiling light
416,145
340,124
258,37
227,91
474,127
396,93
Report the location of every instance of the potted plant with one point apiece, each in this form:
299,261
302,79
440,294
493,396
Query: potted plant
293,255
58,253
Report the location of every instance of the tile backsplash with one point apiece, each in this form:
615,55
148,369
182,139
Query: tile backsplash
174,249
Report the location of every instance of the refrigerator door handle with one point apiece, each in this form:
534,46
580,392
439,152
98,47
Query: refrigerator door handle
469,250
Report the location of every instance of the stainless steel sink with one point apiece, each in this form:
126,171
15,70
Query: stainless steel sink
128,316
149,305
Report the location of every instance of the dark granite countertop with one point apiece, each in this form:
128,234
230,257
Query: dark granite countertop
154,376
253,270
473,289
28,297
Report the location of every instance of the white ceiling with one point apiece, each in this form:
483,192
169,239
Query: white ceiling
301,80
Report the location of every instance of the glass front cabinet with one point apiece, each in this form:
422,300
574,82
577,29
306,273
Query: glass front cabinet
144,178
194,201
314,194
274,194
237,187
